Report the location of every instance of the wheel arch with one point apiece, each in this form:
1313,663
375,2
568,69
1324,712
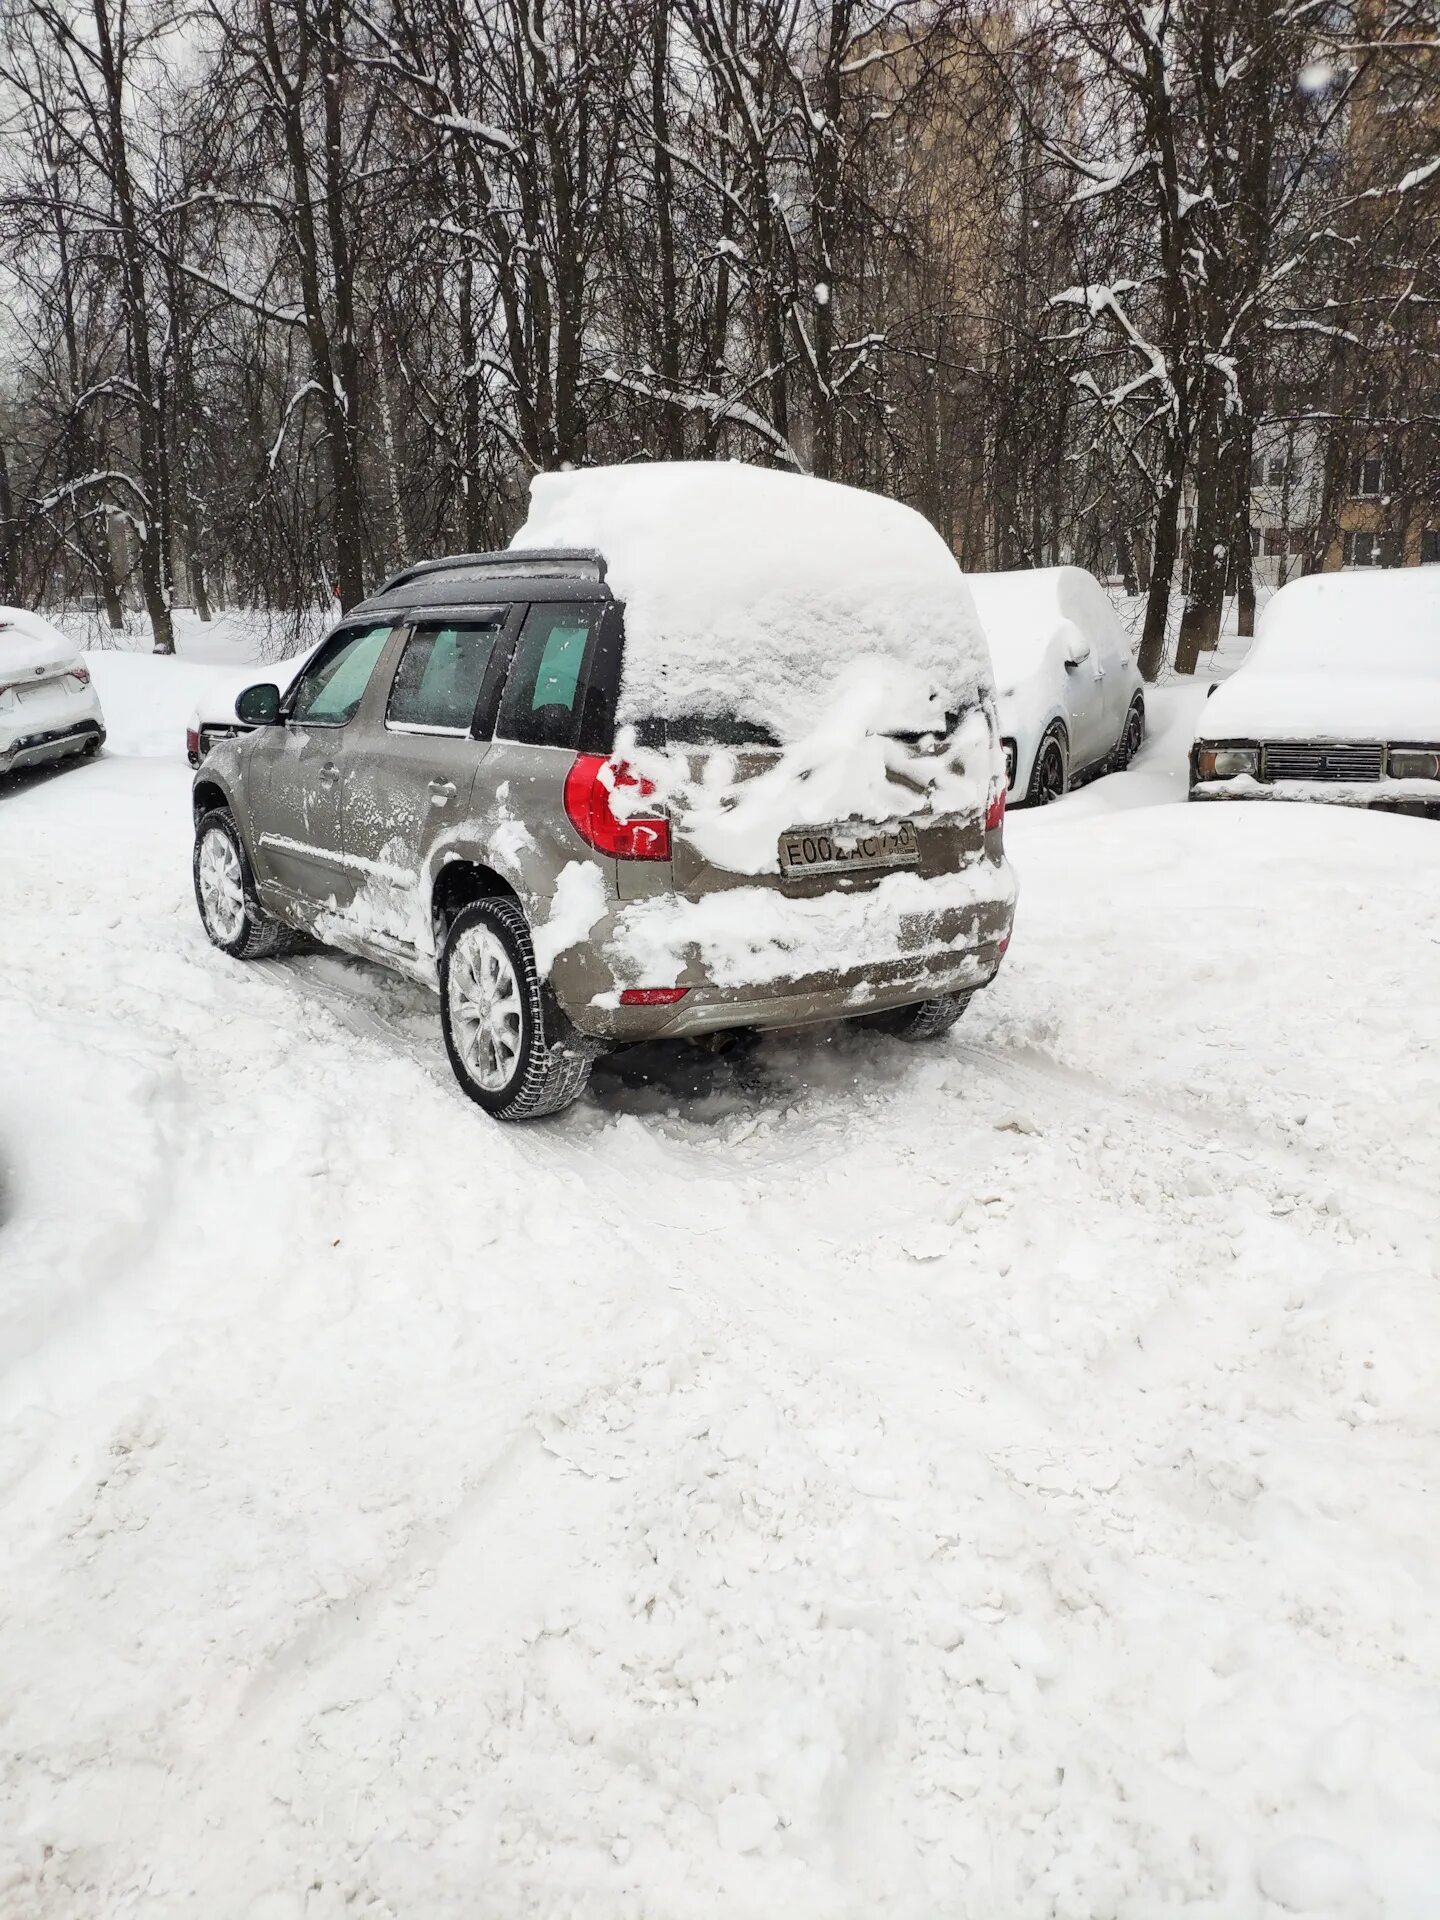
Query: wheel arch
458,882
205,795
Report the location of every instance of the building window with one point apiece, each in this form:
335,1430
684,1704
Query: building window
1430,547
1362,550
1275,473
1302,539
1274,542
1369,479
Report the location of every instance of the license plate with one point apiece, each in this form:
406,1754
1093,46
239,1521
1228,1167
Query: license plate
848,849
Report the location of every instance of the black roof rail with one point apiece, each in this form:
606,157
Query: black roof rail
509,561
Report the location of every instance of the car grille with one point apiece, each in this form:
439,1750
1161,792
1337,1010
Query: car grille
1302,762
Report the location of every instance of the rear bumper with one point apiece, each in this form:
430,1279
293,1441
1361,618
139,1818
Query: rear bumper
1420,798
34,749
890,960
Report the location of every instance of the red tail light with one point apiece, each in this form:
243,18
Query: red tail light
995,812
192,742
79,672
588,789
652,996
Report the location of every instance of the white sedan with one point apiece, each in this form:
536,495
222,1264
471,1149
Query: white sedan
1071,699
48,707
1338,699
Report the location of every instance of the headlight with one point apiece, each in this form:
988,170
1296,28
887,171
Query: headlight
1009,746
1223,763
1414,763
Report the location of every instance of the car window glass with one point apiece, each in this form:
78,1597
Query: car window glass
441,672
544,689
331,690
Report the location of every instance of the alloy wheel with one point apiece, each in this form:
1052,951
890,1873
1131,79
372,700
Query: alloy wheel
1052,774
222,886
487,1009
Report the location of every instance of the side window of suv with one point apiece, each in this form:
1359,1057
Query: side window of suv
545,689
333,685
441,673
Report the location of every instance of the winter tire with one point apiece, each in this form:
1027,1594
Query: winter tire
926,1020
230,910
1133,737
1050,775
511,1048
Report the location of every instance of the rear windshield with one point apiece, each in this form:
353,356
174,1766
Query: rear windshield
704,730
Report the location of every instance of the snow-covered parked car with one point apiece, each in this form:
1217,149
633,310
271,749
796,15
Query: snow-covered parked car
215,718
710,748
1072,703
1338,699
48,706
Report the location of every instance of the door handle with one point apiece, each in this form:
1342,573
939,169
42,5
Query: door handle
441,792
329,772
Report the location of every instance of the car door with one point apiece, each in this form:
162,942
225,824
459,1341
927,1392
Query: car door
409,771
1085,677
293,777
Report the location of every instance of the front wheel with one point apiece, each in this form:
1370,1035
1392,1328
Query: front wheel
511,1048
230,910
925,1020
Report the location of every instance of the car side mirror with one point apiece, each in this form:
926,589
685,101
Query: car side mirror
259,706
1078,654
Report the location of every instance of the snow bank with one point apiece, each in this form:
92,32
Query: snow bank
27,640
750,592
1336,656
150,699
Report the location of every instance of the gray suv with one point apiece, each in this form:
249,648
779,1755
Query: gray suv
437,792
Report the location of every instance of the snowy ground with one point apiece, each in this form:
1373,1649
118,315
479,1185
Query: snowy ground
989,1481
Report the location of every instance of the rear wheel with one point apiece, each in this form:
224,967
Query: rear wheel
925,1020
1049,777
225,893
1132,739
511,1048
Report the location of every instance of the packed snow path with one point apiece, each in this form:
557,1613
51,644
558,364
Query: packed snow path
993,1480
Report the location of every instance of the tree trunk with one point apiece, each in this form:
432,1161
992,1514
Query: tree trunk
154,556
9,559
671,422
1209,553
1162,574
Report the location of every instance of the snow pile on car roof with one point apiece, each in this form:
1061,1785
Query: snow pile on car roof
1387,621
1024,613
750,592
1339,656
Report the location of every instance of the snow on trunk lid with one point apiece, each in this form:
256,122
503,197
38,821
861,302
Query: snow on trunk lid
832,623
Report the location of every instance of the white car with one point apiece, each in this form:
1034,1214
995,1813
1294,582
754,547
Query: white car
48,707
1338,699
1072,703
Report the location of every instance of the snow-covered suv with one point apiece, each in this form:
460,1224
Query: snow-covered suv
606,792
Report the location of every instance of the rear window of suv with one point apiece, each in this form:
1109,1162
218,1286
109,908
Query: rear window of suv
438,683
544,699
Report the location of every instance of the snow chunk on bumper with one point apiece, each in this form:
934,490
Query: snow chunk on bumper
755,936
